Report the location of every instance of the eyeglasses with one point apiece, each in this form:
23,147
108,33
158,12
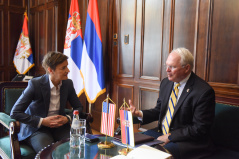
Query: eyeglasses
172,68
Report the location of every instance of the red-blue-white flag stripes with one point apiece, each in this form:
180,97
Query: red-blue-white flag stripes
92,57
108,119
73,46
23,58
127,129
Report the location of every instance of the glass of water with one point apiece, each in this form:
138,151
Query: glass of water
82,131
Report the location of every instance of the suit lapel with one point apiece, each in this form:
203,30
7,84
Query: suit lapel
186,91
45,90
166,98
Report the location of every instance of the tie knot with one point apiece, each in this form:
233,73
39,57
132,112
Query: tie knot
177,85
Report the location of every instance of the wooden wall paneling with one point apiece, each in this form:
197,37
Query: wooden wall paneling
33,3
139,38
11,73
61,19
44,30
226,93
224,32
3,38
11,14
108,54
2,75
167,33
151,40
18,3
49,0
40,2
202,38
14,19
2,46
115,48
127,27
41,35
185,20
147,100
222,70
51,29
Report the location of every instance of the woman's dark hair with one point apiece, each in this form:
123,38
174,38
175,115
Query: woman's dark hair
52,59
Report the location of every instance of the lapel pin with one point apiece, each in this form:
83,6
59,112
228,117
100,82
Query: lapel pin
187,90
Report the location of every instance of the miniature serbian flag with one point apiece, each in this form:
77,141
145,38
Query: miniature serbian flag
92,55
103,156
23,58
73,46
127,131
108,119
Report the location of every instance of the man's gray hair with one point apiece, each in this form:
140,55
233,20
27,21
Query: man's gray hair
186,56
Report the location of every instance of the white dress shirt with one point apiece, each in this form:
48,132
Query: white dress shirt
54,105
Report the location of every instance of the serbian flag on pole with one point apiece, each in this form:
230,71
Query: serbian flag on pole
108,119
23,58
92,57
73,46
127,130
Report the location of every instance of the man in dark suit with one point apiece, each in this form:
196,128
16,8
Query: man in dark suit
192,116
40,108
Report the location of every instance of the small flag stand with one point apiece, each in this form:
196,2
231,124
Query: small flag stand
109,114
124,107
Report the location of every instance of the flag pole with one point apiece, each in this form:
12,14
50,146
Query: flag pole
90,108
28,24
107,103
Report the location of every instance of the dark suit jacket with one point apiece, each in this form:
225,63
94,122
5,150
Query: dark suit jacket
34,102
192,119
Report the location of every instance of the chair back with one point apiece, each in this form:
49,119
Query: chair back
10,92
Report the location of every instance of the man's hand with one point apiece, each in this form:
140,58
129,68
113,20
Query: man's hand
134,111
164,138
54,121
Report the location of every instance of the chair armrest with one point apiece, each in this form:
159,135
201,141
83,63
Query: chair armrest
14,129
5,120
68,111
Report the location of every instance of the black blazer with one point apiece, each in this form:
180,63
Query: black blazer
34,102
192,119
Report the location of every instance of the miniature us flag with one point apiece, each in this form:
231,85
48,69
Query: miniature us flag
108,119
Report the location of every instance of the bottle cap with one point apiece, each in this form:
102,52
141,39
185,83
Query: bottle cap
76,112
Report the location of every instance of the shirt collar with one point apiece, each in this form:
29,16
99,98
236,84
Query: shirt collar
184,80
52,85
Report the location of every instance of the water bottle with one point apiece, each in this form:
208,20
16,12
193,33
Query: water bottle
74,133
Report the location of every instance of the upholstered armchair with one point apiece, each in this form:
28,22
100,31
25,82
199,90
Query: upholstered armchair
9,144
10,147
